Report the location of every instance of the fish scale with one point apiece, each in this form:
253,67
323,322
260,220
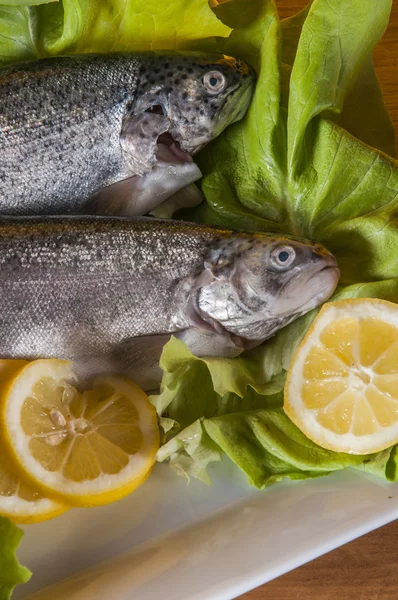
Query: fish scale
95,282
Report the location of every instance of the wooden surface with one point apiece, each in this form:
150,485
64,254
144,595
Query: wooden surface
367,568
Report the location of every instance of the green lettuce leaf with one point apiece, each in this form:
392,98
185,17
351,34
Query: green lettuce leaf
25,2
266,446
363,113
337,39
11,572
249,427
68,26
191,452
18,38
115,25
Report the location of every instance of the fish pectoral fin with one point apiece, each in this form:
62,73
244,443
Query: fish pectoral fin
138,140
114,200
138,358
207,343
138,196
187,197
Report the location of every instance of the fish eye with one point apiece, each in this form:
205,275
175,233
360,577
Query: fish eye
283,257
214,82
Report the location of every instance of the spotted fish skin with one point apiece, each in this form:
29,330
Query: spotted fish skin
65,123
79,288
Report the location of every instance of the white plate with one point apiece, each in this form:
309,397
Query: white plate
197,542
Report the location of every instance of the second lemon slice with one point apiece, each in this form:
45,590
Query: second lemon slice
83,449
342,385
19,501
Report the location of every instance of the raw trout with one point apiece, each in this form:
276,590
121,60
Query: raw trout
130,123
107,292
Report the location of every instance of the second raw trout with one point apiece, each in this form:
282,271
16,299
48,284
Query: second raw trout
108,292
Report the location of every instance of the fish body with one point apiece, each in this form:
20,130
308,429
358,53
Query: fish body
72,126
90,288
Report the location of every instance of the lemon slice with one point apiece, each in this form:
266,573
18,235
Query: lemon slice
82,449
18,500
342,385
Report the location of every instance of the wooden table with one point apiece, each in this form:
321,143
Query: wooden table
367,568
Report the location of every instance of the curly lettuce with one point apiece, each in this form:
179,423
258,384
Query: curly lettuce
12,572
78,26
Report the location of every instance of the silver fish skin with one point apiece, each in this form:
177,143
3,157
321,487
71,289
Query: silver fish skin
73,128
90,289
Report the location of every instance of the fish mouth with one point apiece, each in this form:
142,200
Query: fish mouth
331,275
243,94
327,278
168,149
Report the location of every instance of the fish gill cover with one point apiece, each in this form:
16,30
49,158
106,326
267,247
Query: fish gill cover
314,157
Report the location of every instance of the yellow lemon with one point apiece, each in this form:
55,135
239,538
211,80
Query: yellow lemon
342,385
20,501
81,449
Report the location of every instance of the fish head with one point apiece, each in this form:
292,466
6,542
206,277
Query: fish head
215,94
190,99
252,286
